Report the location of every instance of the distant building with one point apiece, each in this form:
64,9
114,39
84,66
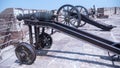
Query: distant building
112,10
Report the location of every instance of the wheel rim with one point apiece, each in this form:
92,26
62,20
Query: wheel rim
65,17
45,40
25,53
83,11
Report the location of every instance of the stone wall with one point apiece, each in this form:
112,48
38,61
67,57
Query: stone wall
17,29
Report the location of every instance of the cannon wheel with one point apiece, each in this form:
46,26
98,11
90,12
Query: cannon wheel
25,53
65,17
45,41
83,11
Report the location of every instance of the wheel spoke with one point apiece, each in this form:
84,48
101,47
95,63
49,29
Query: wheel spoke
83,11
80,9
68,8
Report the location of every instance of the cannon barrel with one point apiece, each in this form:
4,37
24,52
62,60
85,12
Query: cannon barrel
97,24
42,16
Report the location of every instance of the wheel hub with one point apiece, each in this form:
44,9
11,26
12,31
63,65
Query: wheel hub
22,54
45,41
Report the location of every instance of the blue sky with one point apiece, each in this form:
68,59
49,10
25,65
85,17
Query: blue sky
55,4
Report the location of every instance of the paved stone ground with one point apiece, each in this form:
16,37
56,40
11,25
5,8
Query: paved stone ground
68,52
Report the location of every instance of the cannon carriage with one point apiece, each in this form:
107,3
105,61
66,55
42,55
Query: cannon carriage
37,22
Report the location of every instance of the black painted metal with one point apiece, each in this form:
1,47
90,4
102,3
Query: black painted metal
30,34
103,26
25,53
83,11
99,25
98,41
49,16
67,19
44,16
45,40
37,32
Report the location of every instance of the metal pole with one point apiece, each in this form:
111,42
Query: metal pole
37,32
30,34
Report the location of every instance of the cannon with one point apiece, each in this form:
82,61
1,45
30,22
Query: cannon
45,16
78,16
26,53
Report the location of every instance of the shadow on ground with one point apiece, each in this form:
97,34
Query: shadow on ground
44,53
